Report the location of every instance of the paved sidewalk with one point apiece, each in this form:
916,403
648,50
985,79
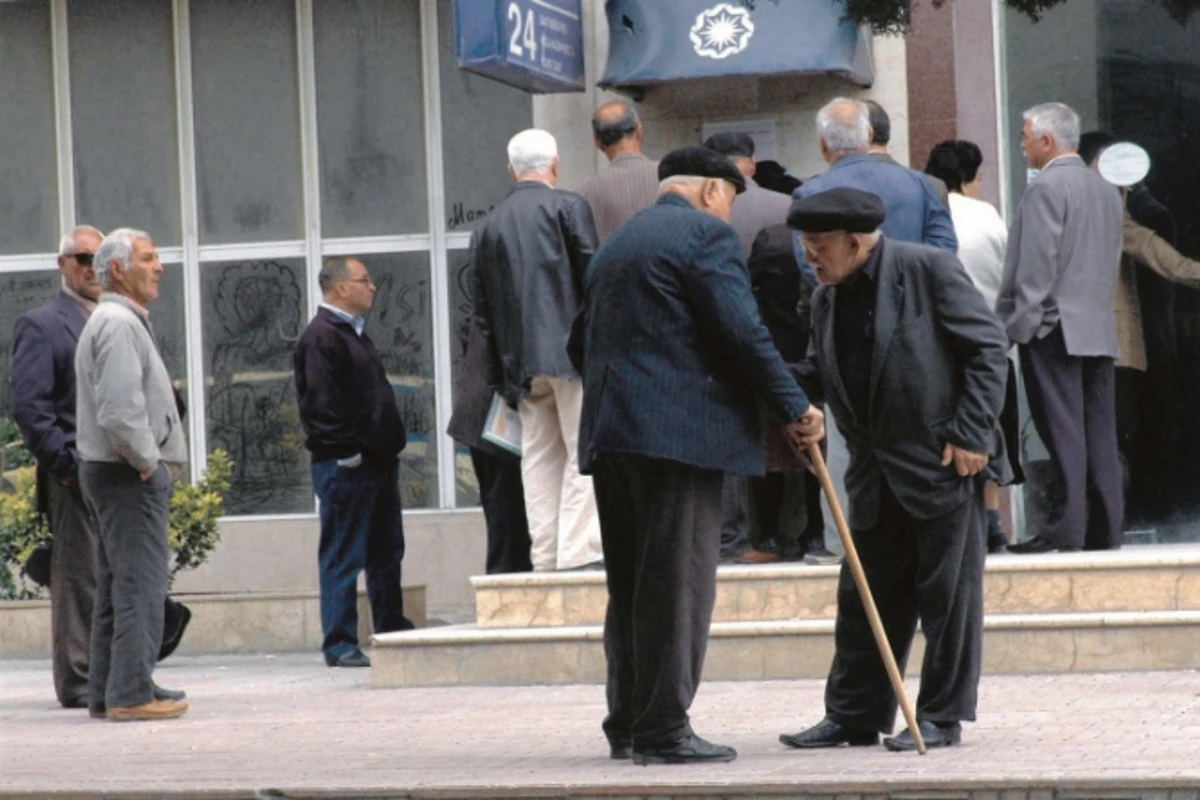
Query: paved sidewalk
289,726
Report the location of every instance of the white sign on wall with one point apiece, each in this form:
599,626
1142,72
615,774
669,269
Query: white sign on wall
762,131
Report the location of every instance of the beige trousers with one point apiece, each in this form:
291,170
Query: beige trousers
559,503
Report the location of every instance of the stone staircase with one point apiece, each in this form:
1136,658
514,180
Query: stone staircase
1134,609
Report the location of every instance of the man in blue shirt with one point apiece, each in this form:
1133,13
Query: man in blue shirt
913,212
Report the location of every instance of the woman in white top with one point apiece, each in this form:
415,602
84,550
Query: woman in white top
982,237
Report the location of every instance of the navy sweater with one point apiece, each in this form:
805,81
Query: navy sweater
346,401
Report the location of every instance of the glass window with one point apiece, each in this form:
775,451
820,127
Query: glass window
466,485
253,314
29,167
19,292
167,319
401,326
479,116
123,117
371,118
1130,72
247,120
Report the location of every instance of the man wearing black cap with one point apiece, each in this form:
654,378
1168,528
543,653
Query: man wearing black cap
673,354
911,363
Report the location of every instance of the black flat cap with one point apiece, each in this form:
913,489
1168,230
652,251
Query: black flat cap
731,144
700,162
841,209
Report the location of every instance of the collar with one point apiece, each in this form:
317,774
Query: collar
672,199
128,302
85,304
627,158
853,158
359,324
519,185
1062,157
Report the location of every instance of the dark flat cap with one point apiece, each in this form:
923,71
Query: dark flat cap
841,209
700,162
731,144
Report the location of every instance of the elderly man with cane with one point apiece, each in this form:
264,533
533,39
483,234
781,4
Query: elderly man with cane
911,363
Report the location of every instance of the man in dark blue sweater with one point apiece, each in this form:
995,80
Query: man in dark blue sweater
354,432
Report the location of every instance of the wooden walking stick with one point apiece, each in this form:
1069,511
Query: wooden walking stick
864,592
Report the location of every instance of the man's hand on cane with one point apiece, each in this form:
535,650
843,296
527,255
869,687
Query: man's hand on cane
809,429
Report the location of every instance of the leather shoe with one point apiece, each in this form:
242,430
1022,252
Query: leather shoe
173,695
172,638
1039,544
354,658
155,709
753,555
80,701
935,734
619,749
828,733
690,750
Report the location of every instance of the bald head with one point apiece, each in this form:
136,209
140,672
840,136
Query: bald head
844,128
617,129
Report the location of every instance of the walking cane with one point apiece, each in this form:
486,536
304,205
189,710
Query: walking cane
864,592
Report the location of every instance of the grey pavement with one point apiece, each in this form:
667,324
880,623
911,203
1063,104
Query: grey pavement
272,726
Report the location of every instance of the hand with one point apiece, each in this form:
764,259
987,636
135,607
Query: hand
145,476
965,462
809,429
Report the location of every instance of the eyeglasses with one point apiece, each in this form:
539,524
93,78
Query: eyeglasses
82,259
358,280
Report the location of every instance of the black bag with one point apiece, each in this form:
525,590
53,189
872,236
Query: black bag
37,566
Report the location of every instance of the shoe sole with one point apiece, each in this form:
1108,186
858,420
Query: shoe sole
644,761
789,742
115,715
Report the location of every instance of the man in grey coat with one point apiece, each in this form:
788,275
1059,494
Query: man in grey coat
911,362
630,183
1056,302
131,446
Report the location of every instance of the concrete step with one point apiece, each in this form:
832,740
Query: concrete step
467,655
1148,578
221,623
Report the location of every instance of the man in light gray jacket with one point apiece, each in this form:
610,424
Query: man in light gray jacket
131,446
1056,302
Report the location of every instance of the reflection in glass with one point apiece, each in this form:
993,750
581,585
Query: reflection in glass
479,117
247,117
466,485
401,327
123,117
370,114
252,314
29,166
19,292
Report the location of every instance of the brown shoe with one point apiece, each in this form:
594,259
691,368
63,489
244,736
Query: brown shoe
155,709
752,556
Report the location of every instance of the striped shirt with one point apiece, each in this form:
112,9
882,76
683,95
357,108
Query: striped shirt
628,185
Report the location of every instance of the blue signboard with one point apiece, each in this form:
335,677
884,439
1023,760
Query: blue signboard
535,45
655,41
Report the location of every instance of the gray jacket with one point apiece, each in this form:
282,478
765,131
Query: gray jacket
1064,254
757,208
125,408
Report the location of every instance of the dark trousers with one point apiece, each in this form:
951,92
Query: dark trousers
361,529
926,570
660,524
502,496
72,588
131,580
1073,404
736,533
786,509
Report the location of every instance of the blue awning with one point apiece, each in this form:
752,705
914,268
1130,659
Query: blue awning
535,45
653,41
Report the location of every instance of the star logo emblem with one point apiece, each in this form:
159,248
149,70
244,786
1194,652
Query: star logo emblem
721,31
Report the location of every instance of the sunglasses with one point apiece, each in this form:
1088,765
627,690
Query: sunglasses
82,259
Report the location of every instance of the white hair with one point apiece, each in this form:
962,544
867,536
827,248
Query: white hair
117,246
1057,120
844,134
532,150
68,244
683,181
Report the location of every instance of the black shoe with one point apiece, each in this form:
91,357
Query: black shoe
828,733
935,734
100,712
173,635
619,749
80,701
821,556
354,658
690,750
1039,544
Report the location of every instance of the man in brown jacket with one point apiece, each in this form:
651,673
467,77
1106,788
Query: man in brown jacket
631,181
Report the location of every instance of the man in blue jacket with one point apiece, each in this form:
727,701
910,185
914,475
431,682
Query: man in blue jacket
673,356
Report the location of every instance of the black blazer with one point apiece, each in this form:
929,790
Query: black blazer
673,349
783,297
937,375
473,398
43,382
529,259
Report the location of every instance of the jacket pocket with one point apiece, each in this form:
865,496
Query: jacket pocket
167,436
